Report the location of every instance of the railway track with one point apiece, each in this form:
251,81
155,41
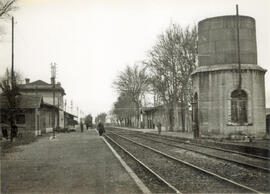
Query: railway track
180,173
163,185
211,147
256,163
225,166
185,141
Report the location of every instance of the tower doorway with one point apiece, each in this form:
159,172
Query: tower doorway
195,118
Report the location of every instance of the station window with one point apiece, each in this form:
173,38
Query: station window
239,106
20,119
3,118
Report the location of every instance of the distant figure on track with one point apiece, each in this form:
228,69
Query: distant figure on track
100,128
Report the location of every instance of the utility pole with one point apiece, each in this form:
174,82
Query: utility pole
239,61
65,110
58,113
12,54
238,52
13,94
53,75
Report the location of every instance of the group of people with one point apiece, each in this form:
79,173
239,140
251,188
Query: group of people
13,131
100,128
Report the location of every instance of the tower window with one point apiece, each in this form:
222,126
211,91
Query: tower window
239,107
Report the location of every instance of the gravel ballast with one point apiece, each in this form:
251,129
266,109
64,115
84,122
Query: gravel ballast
184,178
153,183
246,176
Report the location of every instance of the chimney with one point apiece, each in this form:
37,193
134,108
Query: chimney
59,84
27,80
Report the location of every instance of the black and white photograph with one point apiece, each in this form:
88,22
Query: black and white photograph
134,96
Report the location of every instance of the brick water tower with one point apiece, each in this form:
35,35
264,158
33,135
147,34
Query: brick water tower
228,88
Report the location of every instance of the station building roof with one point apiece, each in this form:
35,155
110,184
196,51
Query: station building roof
41,85
22,102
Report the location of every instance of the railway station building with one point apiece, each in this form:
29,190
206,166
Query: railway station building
44,89
228,88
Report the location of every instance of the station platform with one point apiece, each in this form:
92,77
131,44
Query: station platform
115,176
71,163
168,133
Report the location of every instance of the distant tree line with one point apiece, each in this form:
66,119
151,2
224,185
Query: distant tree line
88,120
124,109
101,118
166,72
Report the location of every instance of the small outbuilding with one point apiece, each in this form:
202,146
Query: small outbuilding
26,113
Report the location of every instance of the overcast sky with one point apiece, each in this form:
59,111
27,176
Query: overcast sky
93,40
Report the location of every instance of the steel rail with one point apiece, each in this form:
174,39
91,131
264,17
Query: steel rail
144,166
210,155
202,145
215,148
191,165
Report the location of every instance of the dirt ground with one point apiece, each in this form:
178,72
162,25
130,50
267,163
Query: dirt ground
72,163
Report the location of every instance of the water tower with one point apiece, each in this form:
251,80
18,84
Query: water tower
228,84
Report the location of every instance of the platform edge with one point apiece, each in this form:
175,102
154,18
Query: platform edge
132,174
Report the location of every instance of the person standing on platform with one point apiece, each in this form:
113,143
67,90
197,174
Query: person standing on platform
81,124
100,128
4,127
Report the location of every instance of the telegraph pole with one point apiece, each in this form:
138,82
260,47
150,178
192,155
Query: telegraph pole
58,112
12,54
13,94
53,75
65,110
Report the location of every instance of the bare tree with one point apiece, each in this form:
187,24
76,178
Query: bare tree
6,6
9,87
134,83
171,61
10,90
